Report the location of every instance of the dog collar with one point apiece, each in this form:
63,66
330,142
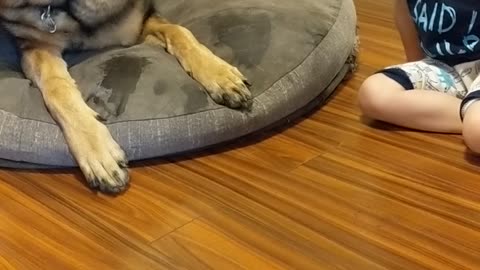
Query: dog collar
47,19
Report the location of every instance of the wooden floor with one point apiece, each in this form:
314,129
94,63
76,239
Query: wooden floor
331,192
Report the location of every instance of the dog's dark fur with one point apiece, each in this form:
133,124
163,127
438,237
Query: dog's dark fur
46,28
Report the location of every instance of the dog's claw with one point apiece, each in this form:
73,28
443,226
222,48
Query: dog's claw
123,164
236,96
100,118
93,183
121,184
225,84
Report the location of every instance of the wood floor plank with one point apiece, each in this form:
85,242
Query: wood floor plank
33,236
415,222
140,215
282,153
284,211
461,180
5,264
198,245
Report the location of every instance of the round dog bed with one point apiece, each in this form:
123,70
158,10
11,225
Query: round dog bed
294,53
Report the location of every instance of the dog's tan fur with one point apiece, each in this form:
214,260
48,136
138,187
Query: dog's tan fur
100,158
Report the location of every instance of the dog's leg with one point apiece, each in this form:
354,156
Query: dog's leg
97,154
225,84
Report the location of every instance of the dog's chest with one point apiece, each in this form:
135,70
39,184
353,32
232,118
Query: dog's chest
78,24
121,28
92,13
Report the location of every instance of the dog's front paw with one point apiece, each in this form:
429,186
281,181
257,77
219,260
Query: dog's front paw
100,158
225,84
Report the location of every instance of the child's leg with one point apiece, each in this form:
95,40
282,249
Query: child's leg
384,99
470,109
471,127
423,95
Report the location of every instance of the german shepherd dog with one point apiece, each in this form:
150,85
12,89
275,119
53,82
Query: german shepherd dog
44,29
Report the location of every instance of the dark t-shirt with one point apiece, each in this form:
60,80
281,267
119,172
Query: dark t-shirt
449,30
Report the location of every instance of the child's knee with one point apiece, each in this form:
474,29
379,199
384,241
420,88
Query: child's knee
368,95
471,136
373,97
471,128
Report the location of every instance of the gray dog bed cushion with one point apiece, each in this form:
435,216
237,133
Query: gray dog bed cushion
294,52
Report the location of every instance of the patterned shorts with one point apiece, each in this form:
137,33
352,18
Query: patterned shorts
461,81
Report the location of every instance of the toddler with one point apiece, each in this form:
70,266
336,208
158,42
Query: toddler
438,88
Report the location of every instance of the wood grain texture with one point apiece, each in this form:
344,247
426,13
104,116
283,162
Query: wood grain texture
331,191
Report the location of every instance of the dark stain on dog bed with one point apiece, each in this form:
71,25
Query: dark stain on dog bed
121,77
237,30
